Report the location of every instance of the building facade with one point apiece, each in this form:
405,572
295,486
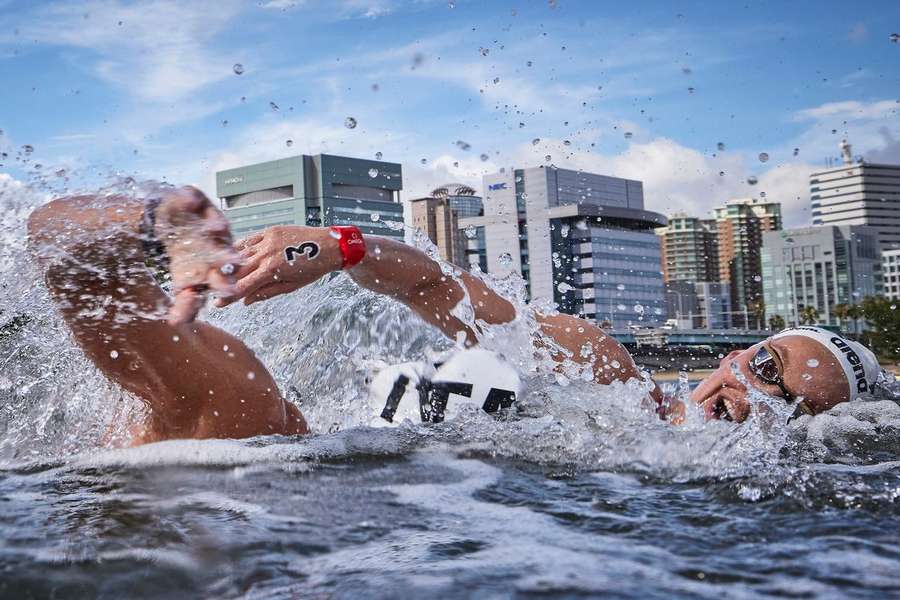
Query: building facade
890,273
699,305
858,193
740,225
579,239
313,190
439,215
819,268
690,250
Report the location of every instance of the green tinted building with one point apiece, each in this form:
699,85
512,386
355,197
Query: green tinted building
313,190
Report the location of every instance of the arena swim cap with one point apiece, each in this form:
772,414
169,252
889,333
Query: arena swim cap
426,392
859,363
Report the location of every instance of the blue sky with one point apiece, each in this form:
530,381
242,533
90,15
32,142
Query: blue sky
145,88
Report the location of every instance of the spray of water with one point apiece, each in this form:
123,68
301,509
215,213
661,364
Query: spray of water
321,342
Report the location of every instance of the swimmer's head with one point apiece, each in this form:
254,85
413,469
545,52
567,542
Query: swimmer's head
810,368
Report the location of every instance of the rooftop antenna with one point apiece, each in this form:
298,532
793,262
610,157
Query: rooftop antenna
846,153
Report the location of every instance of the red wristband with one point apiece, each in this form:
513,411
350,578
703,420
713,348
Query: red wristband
352,244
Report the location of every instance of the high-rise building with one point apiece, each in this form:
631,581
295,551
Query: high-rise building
858,193
435,218
314,190
579,239
740,225
689,249
438,216
890,273
699,305
818,268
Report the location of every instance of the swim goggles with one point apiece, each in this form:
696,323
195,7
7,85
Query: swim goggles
767,368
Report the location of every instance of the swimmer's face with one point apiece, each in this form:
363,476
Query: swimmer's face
808,371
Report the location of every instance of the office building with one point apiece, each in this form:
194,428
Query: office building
438,216
579,239
689,249
890,273
314,190
740,225
858,193
818,267
699,305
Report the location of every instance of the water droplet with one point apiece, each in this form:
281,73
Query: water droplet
895,38
394,225
812,363
564,230
628,135
350,123
505,259
451,4
548,158
720,146
238,69
175,338
615,364
721,173
375,217
762,194
763,157
564,287
535,141
227,269
60,173
225,123
496,80
484,157
620,307
27,149
378,155
586,350
423,161
114,354
752,180
289,143
757,278
690,90
273,106
796,151
335,234
251,375
620,287
639,309
463,145
484,51
471,232
806,377
373,172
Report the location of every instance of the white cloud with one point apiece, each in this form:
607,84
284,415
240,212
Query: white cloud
157,51
850,110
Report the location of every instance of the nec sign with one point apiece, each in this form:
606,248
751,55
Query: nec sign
497,186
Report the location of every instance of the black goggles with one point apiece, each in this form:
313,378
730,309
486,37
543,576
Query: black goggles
767,368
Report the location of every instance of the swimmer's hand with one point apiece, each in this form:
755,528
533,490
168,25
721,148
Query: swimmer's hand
198,241
283,259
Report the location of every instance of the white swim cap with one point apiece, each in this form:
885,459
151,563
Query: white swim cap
424,392
859,363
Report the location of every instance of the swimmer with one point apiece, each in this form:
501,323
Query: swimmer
198,381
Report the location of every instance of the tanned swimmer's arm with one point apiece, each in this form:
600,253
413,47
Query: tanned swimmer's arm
196,380
411,277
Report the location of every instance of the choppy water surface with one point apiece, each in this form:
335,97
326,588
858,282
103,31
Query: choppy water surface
581,493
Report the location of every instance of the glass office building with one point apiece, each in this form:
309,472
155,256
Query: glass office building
582,240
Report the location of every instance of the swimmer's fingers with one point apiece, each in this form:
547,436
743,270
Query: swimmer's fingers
249,278
269,291
251,240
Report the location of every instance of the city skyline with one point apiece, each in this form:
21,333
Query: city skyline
96,88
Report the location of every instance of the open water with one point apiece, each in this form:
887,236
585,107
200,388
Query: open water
581,492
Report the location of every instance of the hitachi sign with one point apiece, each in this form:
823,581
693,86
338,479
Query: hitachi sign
497,186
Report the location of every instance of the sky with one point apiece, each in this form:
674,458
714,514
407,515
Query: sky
684,96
